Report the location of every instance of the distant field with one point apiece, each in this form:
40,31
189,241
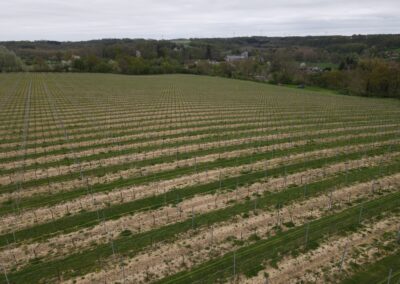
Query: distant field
190,179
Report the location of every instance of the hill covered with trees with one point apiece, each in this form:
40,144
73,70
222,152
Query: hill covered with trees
367,65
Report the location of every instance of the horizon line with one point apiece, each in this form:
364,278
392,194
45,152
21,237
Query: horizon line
199,38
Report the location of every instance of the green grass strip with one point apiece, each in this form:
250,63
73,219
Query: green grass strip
378,272
250,259
138,242
193,123
205,122
90,218
86,261
140,149
50,199
216,134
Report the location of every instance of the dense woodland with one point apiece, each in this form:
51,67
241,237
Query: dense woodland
357,65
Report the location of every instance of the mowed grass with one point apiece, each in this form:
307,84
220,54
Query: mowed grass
70,139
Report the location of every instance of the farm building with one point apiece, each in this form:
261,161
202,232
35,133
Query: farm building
242,56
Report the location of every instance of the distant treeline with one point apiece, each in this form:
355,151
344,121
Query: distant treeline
358,65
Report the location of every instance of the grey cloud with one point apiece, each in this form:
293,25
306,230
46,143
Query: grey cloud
80,20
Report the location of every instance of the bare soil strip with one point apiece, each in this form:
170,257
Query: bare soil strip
145,221
234,117
238,121
41,171
101,200
324,265
158,133
166,259
79,183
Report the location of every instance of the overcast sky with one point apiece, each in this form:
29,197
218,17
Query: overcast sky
166,19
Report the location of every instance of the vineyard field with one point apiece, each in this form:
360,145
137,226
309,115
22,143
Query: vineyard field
110,178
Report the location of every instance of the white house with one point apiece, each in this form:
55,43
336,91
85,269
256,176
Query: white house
242,56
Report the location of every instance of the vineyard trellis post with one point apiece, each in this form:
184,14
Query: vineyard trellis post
122,270
390,275
360,214
305,189
192,218
5,275
343,257
234,266
307,232
278,216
